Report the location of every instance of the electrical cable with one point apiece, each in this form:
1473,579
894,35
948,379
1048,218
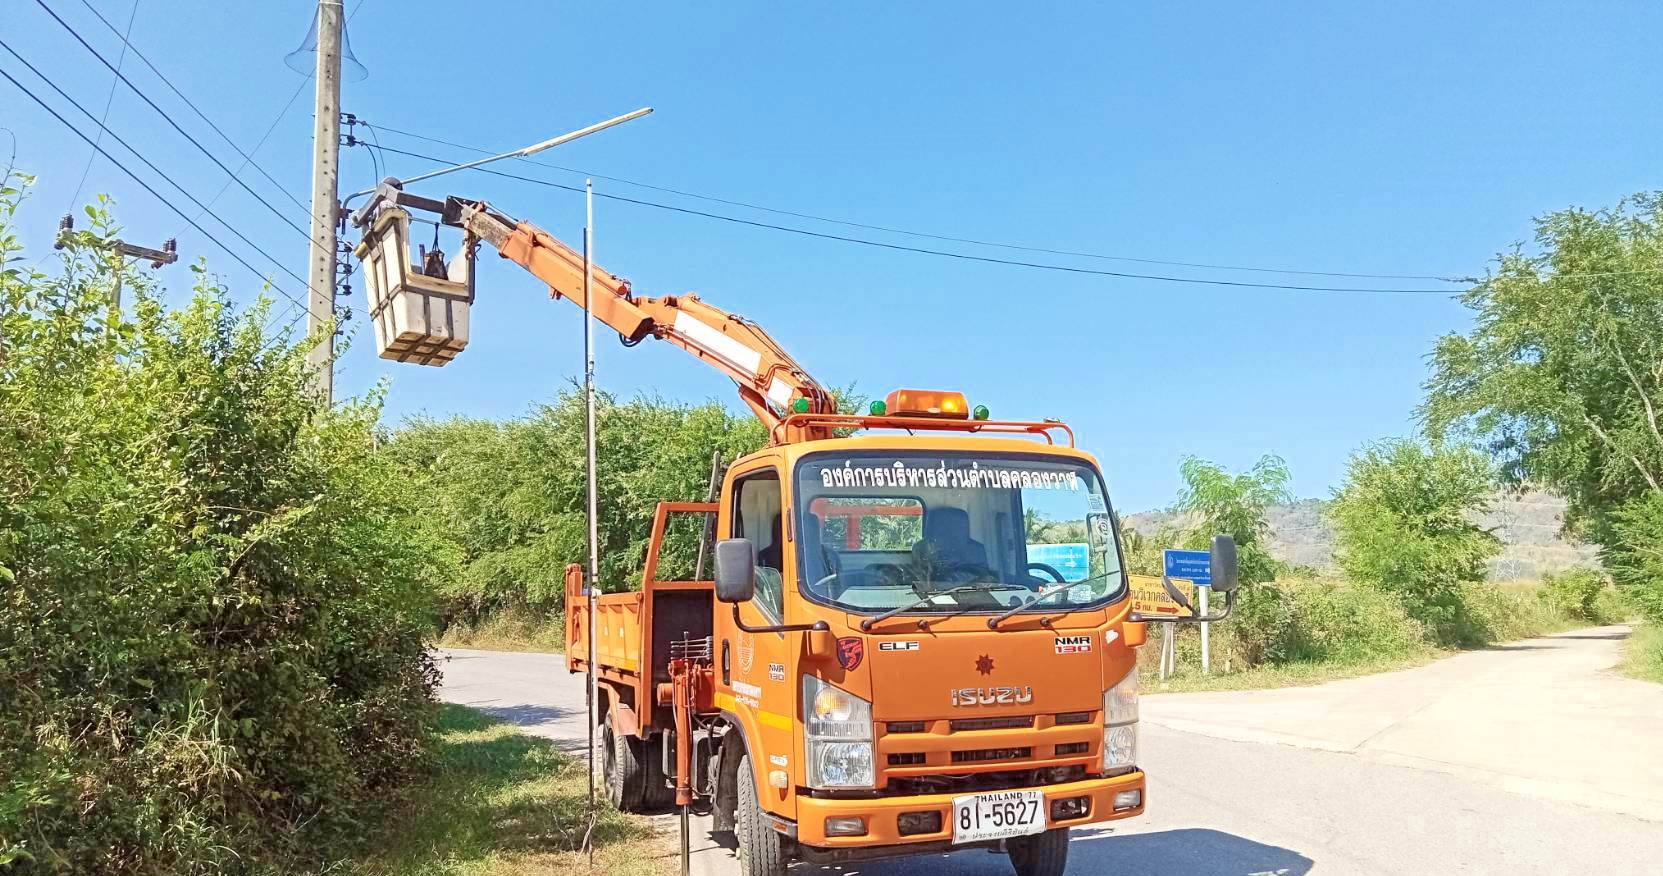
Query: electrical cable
169,119
926,235
158,171
157,195
248,159
281,114
109,99
932,252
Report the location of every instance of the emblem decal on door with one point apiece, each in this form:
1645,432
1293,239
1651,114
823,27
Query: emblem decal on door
849,651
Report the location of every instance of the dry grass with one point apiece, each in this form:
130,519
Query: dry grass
1643,653
502,803
509,631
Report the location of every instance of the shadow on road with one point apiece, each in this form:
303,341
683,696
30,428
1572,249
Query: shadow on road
1186,852
1616,636
1101,850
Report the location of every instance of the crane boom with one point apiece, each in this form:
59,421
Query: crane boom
771,383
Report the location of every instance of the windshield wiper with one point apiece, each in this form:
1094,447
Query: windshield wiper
993,622
867,624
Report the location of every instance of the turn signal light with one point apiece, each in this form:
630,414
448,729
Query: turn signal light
927,403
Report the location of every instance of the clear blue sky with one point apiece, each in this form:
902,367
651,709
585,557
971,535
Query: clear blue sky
1412,138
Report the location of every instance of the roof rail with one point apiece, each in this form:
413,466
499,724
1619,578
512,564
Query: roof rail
1042,429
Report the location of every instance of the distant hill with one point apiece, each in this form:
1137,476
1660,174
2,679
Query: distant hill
1527,524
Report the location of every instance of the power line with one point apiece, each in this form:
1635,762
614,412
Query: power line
281,114
109,99
248,159
157,195
922,234
169,119
147,162
924,251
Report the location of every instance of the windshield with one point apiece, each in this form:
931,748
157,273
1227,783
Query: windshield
961,532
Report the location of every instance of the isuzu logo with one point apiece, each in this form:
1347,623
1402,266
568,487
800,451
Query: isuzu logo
991,696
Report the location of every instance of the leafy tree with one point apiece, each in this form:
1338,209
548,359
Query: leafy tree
1234,504
1403,523
212,608
512,497
1561,378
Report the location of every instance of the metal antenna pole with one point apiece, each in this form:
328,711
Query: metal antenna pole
594,529
326,147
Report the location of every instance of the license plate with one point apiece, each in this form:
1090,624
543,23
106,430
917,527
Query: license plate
1000,815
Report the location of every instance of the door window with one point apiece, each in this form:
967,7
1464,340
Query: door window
757,516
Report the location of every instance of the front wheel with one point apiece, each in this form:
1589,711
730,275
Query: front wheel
761,848
1042,854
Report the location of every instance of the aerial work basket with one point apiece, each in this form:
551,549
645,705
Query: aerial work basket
420,311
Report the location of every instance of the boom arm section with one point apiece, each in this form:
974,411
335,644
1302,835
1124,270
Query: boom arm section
770,381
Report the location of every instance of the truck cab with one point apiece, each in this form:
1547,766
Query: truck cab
928,649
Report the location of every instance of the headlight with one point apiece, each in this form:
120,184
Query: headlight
837,737
1120,723
839,764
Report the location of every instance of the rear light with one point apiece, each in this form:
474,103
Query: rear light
914,823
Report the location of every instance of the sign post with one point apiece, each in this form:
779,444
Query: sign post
1196,567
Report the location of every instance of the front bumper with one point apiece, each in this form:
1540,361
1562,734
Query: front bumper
881,813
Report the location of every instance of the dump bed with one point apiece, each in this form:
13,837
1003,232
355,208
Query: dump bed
632,650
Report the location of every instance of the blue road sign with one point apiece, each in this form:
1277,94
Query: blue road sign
1194,566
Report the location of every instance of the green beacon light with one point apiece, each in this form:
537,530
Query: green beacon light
800,405
878,408
980,412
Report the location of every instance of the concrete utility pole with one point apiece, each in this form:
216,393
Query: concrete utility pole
326,147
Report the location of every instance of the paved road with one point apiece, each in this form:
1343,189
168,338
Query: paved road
1508,761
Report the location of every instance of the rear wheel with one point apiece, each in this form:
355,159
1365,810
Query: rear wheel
1042,854
658,793
621,766
761,848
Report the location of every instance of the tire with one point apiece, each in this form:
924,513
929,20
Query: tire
658,795
621,767
1042,854
761,848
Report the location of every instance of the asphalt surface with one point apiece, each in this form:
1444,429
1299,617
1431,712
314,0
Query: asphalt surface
1508,761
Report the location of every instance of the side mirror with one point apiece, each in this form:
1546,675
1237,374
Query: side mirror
735,570
1225,566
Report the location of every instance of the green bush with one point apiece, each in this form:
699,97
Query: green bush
1318,620
211,606
1492,612
1634,554
1582,594
1402,524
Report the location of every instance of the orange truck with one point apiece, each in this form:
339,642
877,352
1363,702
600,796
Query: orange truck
919,635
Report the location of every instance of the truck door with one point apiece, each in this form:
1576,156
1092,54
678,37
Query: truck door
754,671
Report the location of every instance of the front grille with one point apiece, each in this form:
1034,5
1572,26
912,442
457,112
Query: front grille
981,755
1003,723
906,726
1073,717
1002,780
1068,748
909,758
